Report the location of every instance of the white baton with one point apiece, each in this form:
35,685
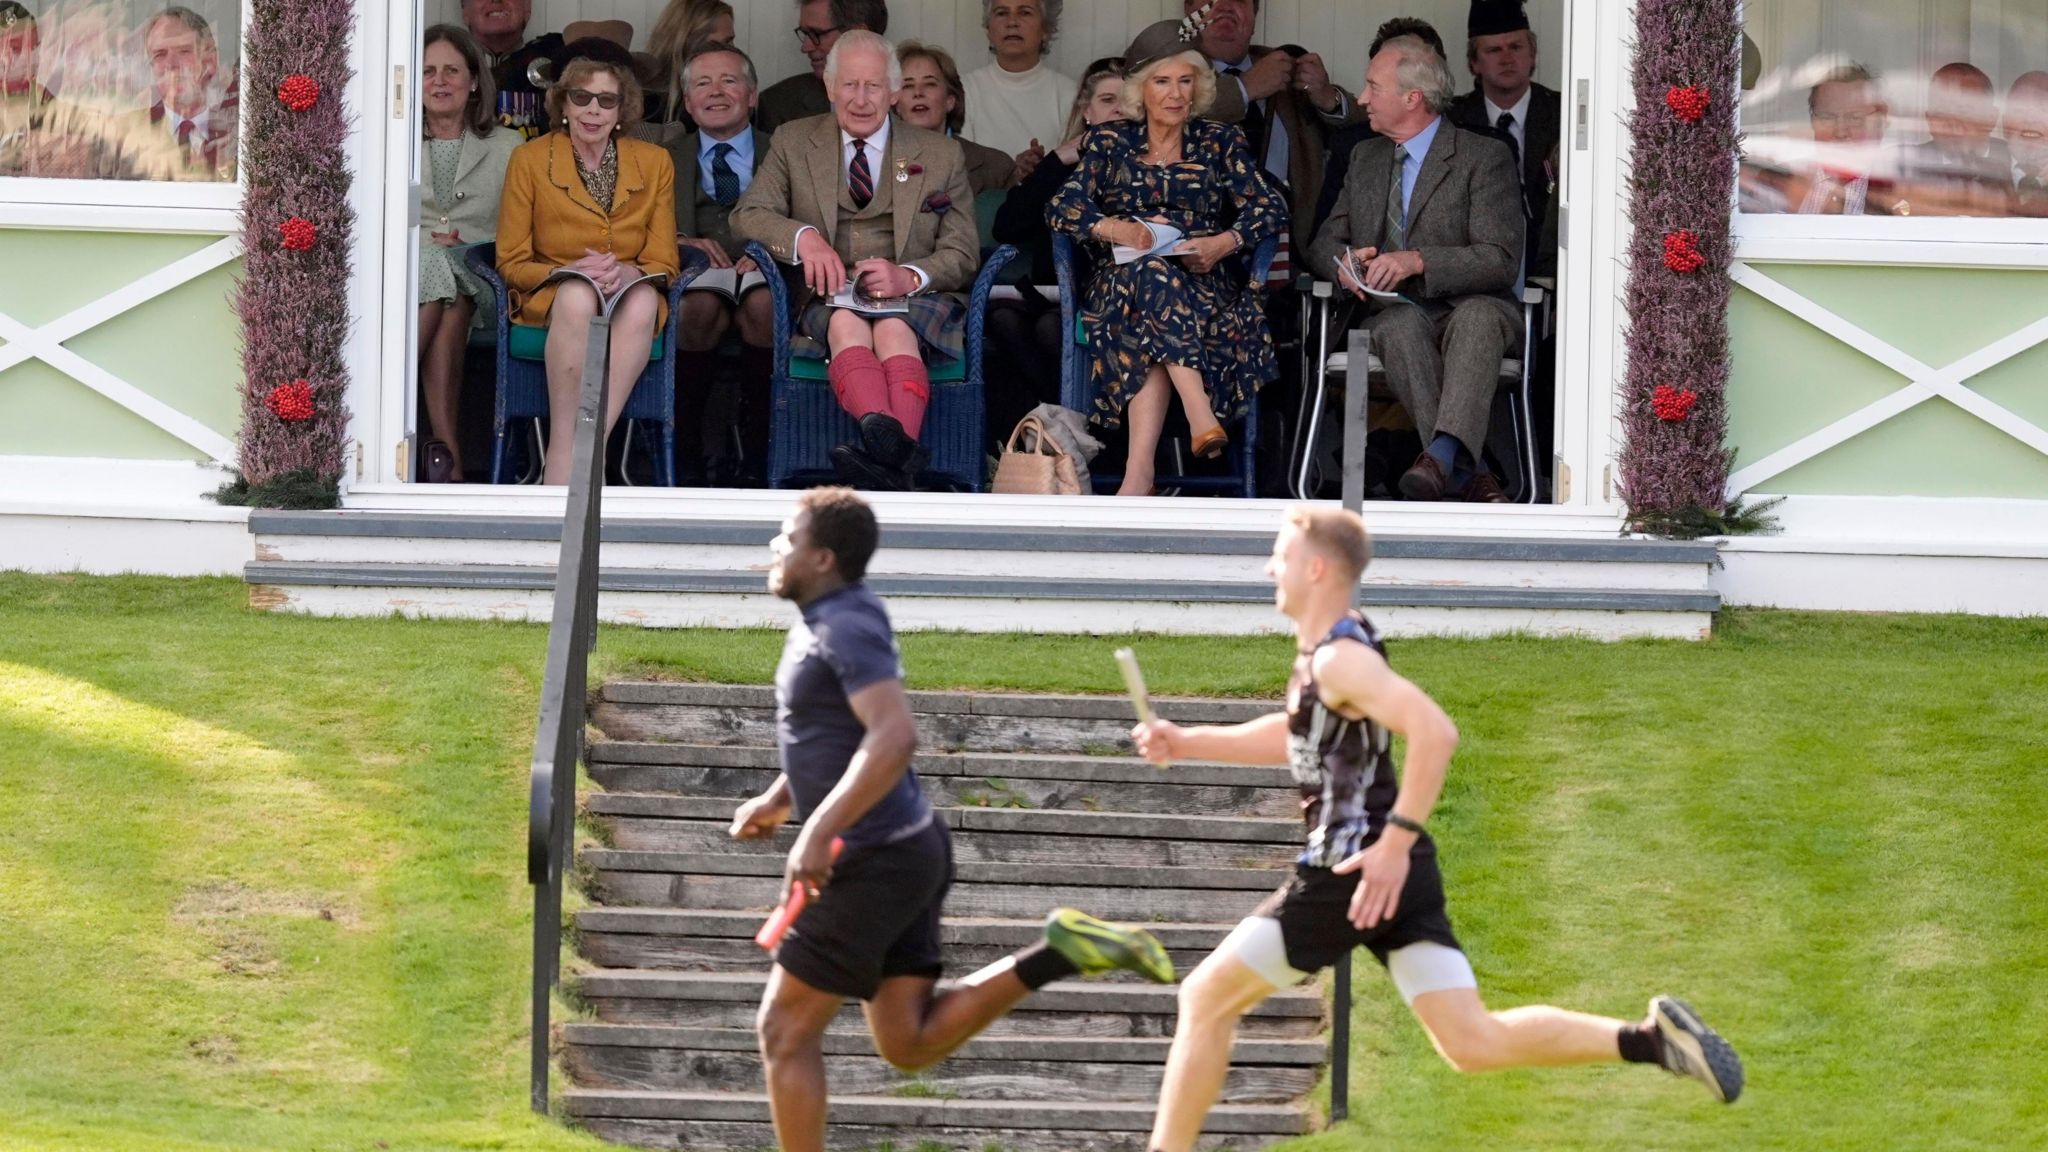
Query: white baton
1134,681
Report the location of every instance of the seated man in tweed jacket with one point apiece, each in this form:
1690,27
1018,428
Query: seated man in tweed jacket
861,198
1431,220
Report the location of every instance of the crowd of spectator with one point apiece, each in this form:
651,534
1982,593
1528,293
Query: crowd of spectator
1971,157
88,92
878,178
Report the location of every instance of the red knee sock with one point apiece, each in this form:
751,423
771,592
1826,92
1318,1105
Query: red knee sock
910,390
859,383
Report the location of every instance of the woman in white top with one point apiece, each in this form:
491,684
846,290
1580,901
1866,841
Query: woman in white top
1018,104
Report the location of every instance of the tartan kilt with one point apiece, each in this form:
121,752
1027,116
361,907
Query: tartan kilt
938,318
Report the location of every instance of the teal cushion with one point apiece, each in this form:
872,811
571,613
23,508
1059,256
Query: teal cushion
530,343
812,368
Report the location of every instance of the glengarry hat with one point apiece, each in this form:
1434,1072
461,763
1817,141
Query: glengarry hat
1166,38
1493,17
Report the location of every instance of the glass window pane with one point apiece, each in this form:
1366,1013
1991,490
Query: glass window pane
1896,108
120,89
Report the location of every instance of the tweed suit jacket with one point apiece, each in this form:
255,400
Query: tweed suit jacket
1464,217
682,146
547,219
1307,136
798,186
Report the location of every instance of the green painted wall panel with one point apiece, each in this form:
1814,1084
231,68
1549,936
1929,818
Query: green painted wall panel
1935,315
46,413
1932,449
2020,384
1789,378
50,274
184,348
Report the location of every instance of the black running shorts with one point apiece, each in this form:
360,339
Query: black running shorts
1314,911
877,918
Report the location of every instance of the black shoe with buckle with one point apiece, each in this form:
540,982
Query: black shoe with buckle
886,440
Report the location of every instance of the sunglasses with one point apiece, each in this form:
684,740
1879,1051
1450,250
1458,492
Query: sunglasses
813,37
581,97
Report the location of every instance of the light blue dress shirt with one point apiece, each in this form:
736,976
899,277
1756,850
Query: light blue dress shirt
1411,166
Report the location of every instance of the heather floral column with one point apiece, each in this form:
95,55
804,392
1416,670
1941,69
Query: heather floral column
296,233
1675,460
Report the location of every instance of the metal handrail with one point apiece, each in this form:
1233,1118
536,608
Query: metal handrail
558,741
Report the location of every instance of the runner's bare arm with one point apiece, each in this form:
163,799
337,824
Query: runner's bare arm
880,761
761,815
1261,741
1355,679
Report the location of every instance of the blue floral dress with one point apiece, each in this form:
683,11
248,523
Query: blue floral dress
1157,310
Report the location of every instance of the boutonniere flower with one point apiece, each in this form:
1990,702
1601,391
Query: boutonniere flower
938,202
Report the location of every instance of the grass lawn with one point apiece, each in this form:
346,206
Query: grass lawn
262,878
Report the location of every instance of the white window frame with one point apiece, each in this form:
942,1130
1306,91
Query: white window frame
134,205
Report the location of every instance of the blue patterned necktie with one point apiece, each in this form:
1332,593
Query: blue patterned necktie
725,183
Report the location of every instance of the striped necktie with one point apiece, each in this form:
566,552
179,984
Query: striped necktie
860,181
1397,211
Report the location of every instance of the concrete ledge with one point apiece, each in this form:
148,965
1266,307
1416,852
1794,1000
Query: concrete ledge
972,538
522,578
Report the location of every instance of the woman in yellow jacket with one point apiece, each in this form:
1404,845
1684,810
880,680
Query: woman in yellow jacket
587,197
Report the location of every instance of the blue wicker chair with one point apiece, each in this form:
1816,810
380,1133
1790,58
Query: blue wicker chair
523,376
1077,390
808,421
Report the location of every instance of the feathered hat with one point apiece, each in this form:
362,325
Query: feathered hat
1166,38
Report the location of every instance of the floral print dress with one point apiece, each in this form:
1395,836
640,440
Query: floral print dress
1157,310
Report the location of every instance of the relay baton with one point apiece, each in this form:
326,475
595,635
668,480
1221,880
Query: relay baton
1134,680
778,923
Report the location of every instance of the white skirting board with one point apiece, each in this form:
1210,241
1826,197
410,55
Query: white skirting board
111,544
1791,574
968,614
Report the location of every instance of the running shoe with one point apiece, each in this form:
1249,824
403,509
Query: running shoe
1693,1049
1095,946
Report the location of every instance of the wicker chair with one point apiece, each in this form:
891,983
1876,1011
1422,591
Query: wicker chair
808,421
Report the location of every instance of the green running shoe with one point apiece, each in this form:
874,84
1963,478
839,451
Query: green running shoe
1095,946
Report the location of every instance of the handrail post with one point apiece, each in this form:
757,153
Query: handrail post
1340,1040
558,741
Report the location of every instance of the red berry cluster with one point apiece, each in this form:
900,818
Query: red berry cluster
293,401
1682,251
297,234
1688,104
1673,404
299,92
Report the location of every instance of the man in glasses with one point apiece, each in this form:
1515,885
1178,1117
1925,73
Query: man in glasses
819,24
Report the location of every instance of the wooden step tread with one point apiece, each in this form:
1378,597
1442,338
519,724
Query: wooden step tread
1282,1119
1059,996
1209,710
851,1042
1121,769
728,924
1045,822
965,871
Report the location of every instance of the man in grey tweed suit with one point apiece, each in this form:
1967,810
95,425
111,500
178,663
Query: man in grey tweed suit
1433,213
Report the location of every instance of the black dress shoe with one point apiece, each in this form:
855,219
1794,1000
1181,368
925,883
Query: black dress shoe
439,463
886,440
1425,479
862,471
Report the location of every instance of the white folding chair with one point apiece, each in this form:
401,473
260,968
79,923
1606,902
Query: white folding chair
1324,307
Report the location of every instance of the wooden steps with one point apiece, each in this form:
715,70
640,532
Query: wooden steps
1044,811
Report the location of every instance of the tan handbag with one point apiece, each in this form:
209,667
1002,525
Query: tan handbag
1033,464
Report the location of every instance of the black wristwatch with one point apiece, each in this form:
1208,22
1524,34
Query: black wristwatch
1402,822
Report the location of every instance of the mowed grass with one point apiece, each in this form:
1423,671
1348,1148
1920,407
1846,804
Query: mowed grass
262,878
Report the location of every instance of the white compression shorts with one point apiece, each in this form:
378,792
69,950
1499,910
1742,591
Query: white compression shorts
1424,966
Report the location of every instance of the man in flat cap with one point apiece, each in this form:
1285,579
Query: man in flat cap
1500,51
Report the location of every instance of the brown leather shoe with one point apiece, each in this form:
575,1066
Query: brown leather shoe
1482,488
1425,479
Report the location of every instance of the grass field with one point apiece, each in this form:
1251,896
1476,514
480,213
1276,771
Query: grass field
262,878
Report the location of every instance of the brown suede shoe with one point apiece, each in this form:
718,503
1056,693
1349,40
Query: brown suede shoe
1425,479
1482,488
